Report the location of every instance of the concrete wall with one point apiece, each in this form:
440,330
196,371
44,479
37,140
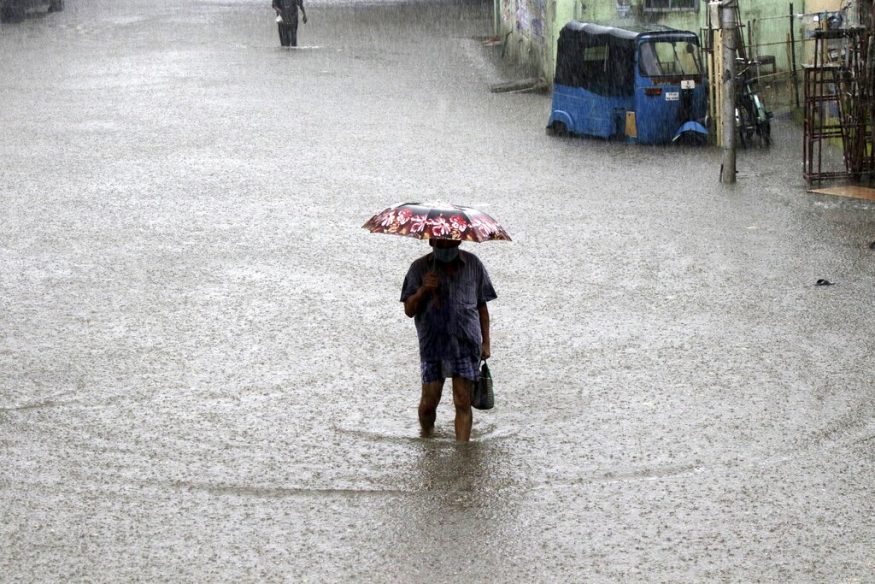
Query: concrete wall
525,25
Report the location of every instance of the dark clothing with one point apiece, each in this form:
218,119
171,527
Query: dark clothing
288,32
449,325
288,9
466,367
288,28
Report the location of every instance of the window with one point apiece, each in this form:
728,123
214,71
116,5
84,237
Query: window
596,57
670,5
600,64
669,58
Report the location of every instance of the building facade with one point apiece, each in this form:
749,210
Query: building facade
530,28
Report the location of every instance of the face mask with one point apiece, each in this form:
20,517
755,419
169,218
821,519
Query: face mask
446,254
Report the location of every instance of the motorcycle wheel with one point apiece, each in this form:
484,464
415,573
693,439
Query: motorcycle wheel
765,132
745,127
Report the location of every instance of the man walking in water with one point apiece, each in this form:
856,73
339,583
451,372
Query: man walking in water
446,292
287,20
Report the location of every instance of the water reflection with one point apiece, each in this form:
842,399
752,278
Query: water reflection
456,512
452,469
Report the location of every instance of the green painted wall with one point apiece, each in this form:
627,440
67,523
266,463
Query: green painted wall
531,27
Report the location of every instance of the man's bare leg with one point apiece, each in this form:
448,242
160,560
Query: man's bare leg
462,401
428,403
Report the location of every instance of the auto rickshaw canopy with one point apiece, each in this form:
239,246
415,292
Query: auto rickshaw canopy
601,58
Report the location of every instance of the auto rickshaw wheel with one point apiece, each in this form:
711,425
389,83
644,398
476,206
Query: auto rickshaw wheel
557,129
12,12
692,139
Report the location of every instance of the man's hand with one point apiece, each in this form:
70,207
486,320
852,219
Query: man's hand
486,349
418,299
430,282
305,19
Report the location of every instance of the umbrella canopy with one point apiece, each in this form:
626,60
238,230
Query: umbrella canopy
437,221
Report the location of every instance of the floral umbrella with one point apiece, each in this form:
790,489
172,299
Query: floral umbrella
437,221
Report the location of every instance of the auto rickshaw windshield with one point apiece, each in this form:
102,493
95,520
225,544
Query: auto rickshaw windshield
666,58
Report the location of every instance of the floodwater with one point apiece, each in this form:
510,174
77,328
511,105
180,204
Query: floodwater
206,375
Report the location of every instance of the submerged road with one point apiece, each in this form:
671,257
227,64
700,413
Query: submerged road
206,375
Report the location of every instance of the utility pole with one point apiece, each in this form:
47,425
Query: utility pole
728,26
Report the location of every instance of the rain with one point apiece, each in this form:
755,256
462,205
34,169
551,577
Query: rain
206,374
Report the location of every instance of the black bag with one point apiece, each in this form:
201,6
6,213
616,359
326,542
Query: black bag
482,397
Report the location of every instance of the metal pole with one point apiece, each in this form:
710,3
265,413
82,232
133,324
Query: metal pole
496,17
728,26
868,22
793,56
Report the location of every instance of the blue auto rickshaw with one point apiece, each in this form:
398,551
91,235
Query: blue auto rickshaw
643,84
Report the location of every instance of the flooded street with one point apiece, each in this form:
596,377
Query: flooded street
206,374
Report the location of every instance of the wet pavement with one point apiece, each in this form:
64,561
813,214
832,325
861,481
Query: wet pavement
206,375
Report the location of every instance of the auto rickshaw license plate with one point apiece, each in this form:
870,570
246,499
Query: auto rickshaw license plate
672,95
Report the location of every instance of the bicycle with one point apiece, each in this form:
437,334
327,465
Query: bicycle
751,116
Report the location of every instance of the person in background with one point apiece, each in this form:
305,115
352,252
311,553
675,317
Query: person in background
446,292
287,20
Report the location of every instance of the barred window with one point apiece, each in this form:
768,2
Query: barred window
670,5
